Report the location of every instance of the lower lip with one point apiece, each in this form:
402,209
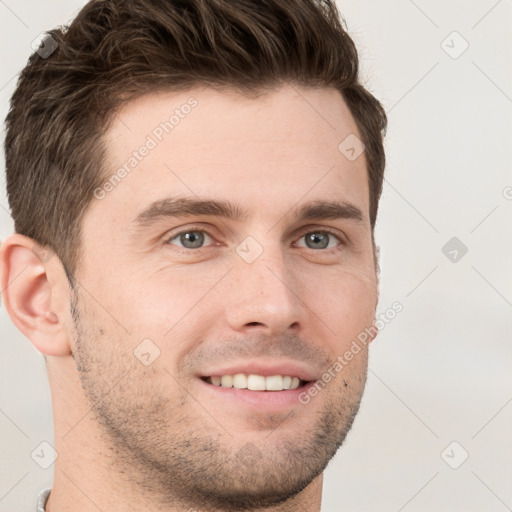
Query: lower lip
268,400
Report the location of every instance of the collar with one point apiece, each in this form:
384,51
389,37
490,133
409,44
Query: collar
42,498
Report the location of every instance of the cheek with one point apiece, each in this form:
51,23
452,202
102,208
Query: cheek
346,304
167,306
164,305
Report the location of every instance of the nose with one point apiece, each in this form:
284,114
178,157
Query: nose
264,296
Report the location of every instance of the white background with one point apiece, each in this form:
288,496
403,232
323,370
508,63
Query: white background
441,370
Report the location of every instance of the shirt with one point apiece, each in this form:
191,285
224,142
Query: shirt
42,498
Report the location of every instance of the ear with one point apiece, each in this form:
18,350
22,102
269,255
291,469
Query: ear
35,292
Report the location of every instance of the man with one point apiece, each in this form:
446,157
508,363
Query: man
194,187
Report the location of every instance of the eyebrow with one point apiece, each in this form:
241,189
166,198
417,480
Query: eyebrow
184,207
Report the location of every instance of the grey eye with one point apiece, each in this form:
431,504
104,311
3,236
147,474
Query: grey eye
317,240
320,240
190,239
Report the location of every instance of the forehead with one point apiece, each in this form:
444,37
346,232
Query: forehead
276,149
294,114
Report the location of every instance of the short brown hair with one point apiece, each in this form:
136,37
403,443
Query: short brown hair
116,50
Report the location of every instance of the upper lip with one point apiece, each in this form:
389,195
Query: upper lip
266,369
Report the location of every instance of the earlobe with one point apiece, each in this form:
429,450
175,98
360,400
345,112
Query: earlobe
31,288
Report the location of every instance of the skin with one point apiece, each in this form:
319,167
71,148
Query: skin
134,436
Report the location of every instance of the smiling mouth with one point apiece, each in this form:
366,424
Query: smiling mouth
255,382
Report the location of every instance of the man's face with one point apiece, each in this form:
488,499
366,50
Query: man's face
164,302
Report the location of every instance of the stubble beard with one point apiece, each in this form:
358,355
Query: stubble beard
194,463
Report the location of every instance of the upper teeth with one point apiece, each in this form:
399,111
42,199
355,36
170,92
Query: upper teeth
256,382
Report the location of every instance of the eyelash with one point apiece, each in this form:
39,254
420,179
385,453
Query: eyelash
194,229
